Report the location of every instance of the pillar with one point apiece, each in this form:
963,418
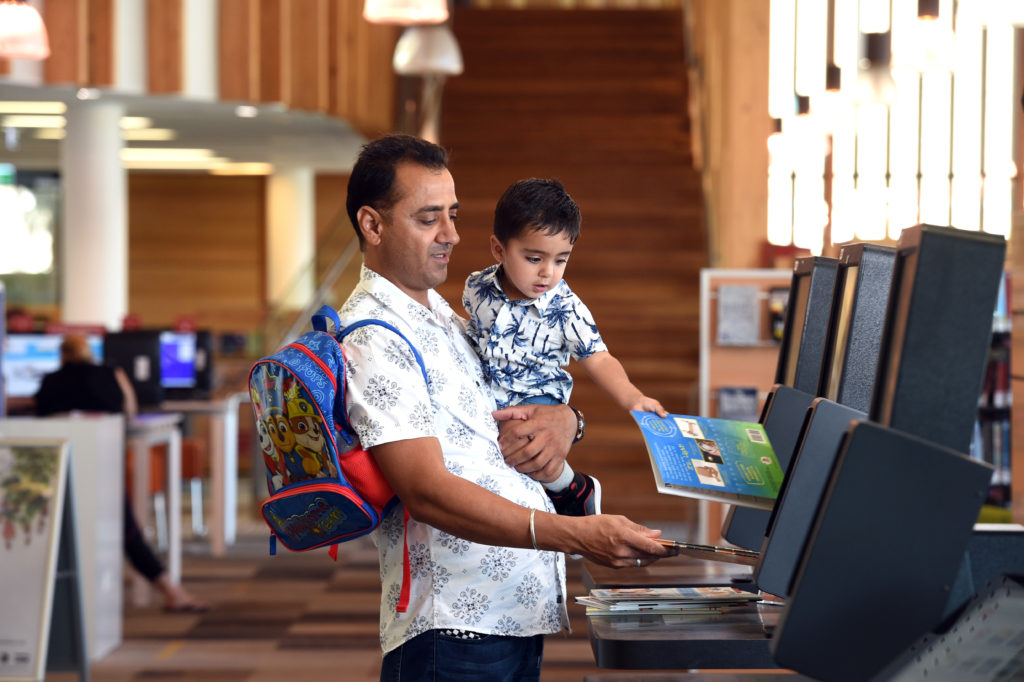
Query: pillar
291,237
94,221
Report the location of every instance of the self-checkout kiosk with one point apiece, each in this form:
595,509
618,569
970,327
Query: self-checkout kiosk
796,381
888,538
872,541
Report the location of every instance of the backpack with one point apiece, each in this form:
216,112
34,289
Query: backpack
325,488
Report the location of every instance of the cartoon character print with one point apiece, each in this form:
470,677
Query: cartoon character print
311,442
277,473
284,440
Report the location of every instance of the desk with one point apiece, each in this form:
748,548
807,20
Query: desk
144,432
222,441
735,638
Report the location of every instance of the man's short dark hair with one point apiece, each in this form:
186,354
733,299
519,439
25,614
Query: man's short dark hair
373,177
536,204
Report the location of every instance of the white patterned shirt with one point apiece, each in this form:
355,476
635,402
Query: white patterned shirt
455,583
525,344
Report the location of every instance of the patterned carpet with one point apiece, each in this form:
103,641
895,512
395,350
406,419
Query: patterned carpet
288,617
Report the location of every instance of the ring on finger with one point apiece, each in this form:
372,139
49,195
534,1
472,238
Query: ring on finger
639,562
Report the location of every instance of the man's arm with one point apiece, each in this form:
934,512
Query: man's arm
608,373
433,495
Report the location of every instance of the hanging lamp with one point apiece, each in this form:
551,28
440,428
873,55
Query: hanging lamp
22,32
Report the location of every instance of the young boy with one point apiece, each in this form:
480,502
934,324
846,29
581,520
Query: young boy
527,323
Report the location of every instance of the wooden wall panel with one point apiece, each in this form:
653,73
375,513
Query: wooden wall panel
196,247
239,50
65,26
308,65
101,24
165,46
274,50
362,82
5,66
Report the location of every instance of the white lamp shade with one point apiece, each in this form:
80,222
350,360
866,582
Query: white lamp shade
22,33
427,50
406,12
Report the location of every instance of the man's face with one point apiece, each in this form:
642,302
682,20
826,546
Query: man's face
418,232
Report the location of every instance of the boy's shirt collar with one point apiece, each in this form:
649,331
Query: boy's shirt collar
491,276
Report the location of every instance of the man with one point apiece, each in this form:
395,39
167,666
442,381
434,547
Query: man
484,577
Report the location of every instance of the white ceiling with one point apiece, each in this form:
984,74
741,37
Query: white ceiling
275,135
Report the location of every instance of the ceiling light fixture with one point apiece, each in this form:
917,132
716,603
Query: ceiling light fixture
20,107
405,12
427,51
22,32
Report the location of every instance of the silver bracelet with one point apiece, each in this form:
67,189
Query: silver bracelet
533,531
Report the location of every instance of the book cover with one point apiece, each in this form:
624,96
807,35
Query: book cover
714,459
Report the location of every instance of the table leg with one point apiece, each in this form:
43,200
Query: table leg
218,485
174,506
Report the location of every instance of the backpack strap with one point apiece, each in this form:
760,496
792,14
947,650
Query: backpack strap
362,323
323,316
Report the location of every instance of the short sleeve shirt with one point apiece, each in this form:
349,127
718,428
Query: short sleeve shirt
454,583
524,344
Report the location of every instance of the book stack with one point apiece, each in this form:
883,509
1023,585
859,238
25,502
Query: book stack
680,600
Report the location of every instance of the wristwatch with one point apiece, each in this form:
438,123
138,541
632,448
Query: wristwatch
581,425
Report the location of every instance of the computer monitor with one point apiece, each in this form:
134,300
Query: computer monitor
28,357
938,332
186,364
807,318
856,324
137,352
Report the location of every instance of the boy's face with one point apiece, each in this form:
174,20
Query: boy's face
534,262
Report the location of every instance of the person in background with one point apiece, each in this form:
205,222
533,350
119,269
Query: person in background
526,323
84,386
472,560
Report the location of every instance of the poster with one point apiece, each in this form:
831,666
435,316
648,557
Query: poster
33,477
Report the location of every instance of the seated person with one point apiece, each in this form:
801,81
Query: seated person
80,384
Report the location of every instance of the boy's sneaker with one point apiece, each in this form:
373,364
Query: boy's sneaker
581,498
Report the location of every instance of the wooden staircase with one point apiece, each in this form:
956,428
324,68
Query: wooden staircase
596,98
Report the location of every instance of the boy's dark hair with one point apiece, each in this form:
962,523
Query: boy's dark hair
373,177
536,204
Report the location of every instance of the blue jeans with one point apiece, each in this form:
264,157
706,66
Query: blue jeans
436,657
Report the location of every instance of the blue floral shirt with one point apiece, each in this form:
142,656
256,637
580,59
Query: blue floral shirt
525,344
455,583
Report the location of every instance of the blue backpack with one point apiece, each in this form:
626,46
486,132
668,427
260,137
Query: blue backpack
325,488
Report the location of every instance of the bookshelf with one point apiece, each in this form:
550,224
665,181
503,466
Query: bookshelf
740,358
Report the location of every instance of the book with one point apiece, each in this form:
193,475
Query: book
730,555
723,460
662,599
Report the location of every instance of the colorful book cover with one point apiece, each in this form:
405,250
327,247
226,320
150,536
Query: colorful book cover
714,459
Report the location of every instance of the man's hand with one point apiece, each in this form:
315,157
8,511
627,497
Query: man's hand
606,539
535,439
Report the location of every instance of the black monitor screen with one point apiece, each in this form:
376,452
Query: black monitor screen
27,357
797,320
841,332
177,359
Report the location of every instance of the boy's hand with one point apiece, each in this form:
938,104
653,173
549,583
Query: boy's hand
645,404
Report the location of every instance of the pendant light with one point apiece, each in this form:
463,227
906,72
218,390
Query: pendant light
22,33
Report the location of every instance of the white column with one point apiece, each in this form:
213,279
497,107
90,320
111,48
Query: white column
200,60
94,221
291,236
130,46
